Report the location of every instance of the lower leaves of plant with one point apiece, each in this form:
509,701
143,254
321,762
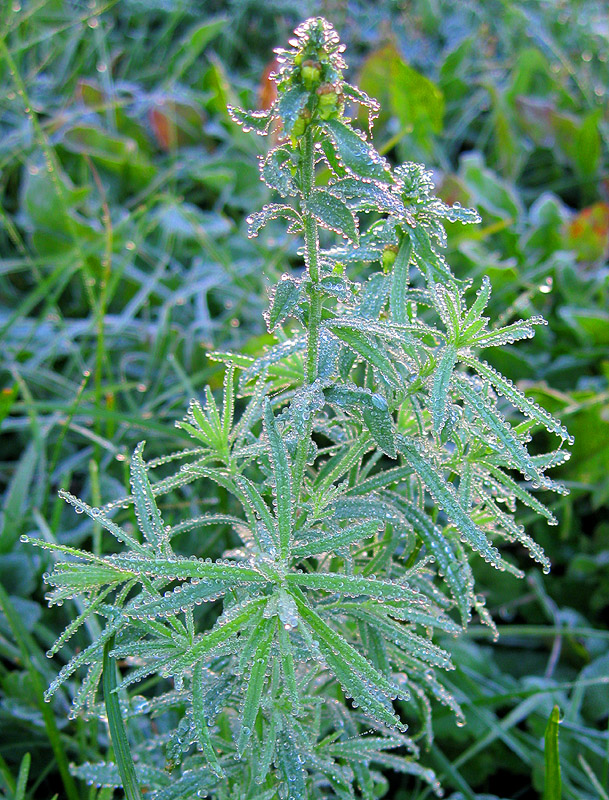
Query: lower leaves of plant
369,454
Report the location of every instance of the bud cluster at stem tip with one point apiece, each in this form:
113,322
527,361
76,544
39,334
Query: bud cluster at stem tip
310,76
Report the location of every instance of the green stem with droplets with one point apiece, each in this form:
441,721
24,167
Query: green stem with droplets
307,172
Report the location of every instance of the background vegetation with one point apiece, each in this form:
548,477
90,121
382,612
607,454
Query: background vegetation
124,188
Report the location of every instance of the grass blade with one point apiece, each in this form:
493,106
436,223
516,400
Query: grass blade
552,783
116,724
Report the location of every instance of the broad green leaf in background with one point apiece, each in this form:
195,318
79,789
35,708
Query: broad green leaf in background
414,100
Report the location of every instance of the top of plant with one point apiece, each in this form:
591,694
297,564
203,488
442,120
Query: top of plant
373,451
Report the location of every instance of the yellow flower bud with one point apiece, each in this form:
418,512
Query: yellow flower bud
388,258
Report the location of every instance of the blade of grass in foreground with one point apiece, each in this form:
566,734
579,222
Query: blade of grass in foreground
552,784
116,724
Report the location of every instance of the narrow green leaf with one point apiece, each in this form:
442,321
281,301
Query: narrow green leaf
97,515
479,304
552,789
499,427
289,762
287,665
368,687
378,421
258,121
182,597
283,479
260,509
445,496
255,685
368,348
221,633
516,489
455,570
16,498
354,585
116,725
228,409
30,655
24,771
440,386
201,727
399,281
522,329
207,433
180,568
146,509
329,543
517,398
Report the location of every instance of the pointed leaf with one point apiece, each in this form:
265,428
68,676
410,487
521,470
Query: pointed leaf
200,723
283,479
368,687
455,570
331,542
399,281
287,665
355,153
440,386
445,496
368,348
255,685
332,213
146,509
220,633
259,219
258,121
498,426
354,585
283,301
517,398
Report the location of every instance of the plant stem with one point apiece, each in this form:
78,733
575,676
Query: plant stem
307,171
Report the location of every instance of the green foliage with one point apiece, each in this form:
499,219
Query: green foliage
361,472
134,264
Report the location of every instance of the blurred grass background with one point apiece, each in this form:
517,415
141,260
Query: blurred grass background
123,260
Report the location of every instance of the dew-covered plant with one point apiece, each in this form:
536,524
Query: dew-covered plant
369,458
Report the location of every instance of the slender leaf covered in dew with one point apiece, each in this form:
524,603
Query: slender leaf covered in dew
368,348
255,686
446,497
200,722
499,429
455,571
440,386
359,445
399,281
146,509
518,399
367,685
284,499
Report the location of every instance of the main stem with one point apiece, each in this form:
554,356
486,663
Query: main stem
307,167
